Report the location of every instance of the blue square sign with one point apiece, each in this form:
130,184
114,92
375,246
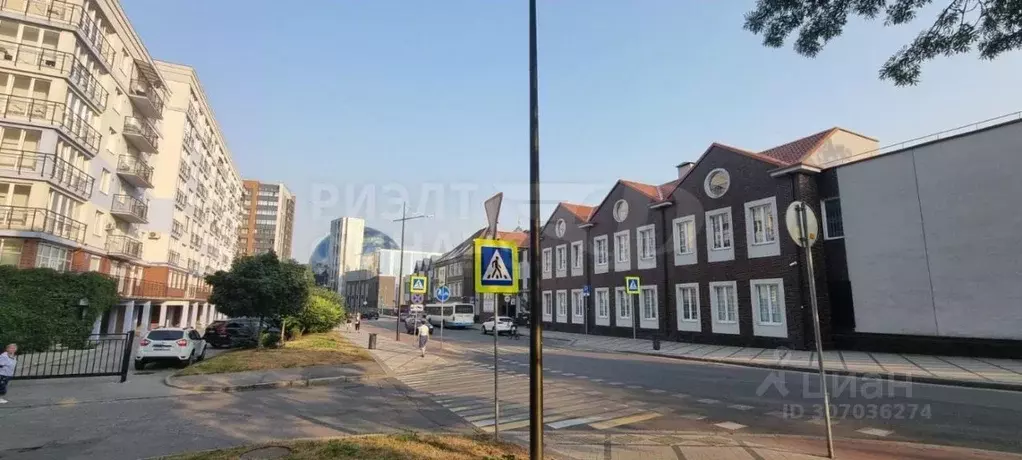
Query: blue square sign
496,266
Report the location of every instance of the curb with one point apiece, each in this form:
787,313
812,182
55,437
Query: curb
887,376
298,383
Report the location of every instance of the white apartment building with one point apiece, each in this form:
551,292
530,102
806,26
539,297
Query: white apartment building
89,158
267,219
346,238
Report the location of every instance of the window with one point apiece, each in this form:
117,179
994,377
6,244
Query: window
97,223
687,298
546,263
833,224
768,302
55,257
684,235
104,182
646,240
724,303
10,251
623,303
547,305
600,252
577,304
761,228
717,183
562,304
576,258
620,210
562,260
560,227
649,303
621,255
602,303
720,231
94,263
762,224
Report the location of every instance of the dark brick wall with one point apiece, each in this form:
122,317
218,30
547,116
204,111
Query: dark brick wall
839,286
807,190
550,240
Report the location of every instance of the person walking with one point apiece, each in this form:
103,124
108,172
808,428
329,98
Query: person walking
7,365
423,337
347,323
358,322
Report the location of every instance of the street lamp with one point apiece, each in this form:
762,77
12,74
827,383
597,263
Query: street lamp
536,327
401,268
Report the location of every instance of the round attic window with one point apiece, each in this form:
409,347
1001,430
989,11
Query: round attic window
717,183
560,228
620,210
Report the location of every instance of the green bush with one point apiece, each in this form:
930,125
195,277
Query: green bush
319,315
270,340
40,307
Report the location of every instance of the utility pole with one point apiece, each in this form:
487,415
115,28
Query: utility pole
401,268
536,336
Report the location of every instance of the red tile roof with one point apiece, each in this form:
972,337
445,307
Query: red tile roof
796,151
516,237
650,191
664,191
581,211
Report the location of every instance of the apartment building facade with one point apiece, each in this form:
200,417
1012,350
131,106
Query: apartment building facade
345,253
267,219
83,175
374,285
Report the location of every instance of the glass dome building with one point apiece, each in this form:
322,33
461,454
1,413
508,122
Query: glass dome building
372,240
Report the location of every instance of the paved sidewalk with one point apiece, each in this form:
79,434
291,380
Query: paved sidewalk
397,357
276,378
974,372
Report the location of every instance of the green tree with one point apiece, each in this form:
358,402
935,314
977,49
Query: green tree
261,287
991,26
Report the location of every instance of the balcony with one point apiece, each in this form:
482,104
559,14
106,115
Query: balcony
141,134
41,220
41,111
47,10
123,246
192,114
196,241
85,82
55,170
185,171
177,230
201,190
135,171
51,61
147,98
180,200
130,209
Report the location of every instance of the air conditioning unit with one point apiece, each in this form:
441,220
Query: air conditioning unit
110,227
154,236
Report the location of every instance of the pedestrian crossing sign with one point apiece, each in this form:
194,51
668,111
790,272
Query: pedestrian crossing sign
632,284
417,284
496,266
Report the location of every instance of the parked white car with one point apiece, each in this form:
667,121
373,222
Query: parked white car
182,346
505,325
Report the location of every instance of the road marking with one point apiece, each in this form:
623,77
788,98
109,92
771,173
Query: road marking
656,391
875,432
739,407
692,416
820,421
615,383
580,421
680,395
581,377
730,425
777,414
624,421
597,380
634,387
708,401
568,374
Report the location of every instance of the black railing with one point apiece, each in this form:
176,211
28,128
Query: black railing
48,166
127,204
185,172
130,164
95,36
123,245
144,89
193,114
25,55
52,113
64,13
41,220
88,84
180,200
89,356
141,127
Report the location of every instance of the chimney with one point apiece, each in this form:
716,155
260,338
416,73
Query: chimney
684,168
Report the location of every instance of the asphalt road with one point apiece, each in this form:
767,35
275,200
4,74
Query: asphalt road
695,395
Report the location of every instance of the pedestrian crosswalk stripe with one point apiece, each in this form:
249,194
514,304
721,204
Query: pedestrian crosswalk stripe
580,421
875,432
624,420
730,425
693,416
657,391
708,401
739,407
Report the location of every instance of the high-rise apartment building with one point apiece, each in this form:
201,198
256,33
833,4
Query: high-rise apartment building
346,237
91,159
267,219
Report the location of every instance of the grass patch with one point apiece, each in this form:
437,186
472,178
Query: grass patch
310,350
391,447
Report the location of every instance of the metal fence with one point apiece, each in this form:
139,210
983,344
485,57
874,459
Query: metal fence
101,355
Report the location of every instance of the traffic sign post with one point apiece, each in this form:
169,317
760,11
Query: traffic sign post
632,286
496,267
443,294
585,309
803,227
417,284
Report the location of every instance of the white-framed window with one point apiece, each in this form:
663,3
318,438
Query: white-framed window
562,306
719,235
645,242
560,227
94,263
561,257
602,306
724,303
10,251
97,223
548,303
686,297
547,263
685,240
717,183
761,228
833,224
104,181
600,253
768,310
649,305
577,258
623,303
577,305
620,210
55,257
622,255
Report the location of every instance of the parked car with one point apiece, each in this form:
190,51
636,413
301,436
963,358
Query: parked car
505,325
216,334
235,331
412,324
182,346
371,314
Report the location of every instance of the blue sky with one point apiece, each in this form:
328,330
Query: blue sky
359,105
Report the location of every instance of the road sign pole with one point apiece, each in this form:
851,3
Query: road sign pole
635,316
443,321
804,236
536,333
496,401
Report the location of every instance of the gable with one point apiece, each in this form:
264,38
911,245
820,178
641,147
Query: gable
741,168
841,147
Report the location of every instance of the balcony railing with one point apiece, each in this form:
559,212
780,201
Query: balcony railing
51,113
204,168
189,142
185,172
135,170
123,246
23,55
130,209
88,84
180,200
41,220
146,97
201,190
177,230
193,114
141,133
196,241
94,36
54,169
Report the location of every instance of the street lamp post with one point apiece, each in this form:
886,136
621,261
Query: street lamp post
401,267
536,333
